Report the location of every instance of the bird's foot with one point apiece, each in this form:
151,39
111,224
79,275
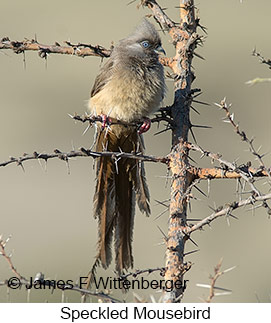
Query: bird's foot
145,126
105,121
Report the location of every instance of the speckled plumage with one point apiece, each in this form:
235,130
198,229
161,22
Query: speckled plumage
129,87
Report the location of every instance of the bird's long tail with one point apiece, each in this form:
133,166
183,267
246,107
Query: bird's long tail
119,183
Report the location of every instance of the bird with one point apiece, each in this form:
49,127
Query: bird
128,89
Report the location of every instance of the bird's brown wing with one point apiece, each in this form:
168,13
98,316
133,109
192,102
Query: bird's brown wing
103,77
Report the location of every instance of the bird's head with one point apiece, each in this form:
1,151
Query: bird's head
143,42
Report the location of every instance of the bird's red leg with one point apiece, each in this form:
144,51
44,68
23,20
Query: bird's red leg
105,120
145,126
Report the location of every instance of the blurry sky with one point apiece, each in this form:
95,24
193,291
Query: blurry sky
48,212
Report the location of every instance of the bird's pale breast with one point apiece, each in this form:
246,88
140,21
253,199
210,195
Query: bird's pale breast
131,93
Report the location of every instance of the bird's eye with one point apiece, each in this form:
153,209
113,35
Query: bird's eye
145,44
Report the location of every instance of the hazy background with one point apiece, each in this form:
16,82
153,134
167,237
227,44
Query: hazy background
49,213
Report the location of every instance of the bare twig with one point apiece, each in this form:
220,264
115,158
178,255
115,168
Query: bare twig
217,273
224,106
8,257
214,278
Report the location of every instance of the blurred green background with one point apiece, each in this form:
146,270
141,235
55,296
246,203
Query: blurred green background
49,212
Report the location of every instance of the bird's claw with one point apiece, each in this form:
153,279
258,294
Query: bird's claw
145,126
105,121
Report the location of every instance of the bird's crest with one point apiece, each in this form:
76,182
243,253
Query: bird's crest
145,31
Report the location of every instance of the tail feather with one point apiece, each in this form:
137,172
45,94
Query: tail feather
142,191
118,185
125,204
104,201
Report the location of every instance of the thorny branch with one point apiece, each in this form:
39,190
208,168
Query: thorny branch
185,40
79,49
200,173
227,169
40,278
65,156
221,172
162,115
136,273
242,171
230,117
158,13
8,257
230,170
227,210
82,152
214,278
263,61
212,287
261,58
82,291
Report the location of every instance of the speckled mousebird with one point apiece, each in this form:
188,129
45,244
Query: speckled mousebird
129,87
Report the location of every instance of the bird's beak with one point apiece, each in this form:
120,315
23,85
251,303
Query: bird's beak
160,50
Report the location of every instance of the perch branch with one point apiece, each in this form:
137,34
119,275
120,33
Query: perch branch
161,115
